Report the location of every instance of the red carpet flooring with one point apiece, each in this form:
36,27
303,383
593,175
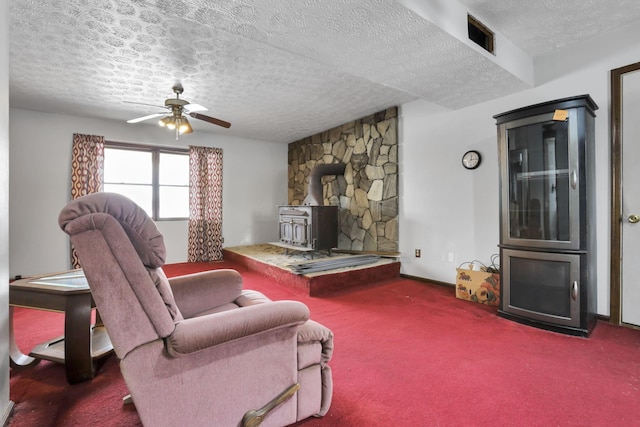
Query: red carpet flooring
406,354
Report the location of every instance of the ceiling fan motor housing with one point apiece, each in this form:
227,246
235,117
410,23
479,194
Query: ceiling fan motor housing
176,105
172,102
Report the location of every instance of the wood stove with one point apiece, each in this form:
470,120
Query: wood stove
312,225
309,227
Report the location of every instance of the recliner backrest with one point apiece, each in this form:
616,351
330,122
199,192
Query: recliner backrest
121,252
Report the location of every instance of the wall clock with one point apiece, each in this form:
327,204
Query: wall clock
471,159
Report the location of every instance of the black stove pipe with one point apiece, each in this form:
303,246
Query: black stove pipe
314,191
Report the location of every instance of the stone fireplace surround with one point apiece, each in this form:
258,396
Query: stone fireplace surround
367,193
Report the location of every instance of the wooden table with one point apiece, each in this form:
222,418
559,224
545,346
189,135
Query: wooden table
82,343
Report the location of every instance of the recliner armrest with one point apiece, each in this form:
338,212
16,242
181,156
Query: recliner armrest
200,333
250,297
199,292
312,332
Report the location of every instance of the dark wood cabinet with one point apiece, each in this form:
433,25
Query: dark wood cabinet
547,214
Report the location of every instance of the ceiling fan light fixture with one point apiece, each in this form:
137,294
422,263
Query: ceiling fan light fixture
184,126
165,121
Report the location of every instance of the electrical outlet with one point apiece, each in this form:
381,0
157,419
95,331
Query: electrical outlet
450,257
418,253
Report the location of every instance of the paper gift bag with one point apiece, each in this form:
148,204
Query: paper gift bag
478,286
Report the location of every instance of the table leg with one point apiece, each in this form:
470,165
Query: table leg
79,363
18,360
98,319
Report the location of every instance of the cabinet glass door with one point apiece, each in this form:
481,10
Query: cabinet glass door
542,285
538,198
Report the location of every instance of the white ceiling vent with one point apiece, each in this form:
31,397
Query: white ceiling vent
480,34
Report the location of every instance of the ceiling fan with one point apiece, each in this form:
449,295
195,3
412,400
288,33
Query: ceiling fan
178,109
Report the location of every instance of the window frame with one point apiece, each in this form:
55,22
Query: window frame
155,171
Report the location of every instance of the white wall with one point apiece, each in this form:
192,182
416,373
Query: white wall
5,404
254,179
446,209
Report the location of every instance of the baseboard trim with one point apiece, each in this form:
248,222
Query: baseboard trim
8,411
426,280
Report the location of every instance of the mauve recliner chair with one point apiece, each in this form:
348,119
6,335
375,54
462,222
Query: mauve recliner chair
195,350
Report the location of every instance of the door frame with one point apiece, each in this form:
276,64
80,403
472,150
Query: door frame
615,311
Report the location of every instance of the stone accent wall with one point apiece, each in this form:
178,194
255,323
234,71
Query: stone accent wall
367,193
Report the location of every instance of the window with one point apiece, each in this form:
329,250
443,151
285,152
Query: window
157,179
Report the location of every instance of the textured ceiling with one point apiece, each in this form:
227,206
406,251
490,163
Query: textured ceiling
278,70
542,26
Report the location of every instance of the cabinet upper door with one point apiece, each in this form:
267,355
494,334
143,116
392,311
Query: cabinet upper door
540,180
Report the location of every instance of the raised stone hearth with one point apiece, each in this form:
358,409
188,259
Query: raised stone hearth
367,193
275,261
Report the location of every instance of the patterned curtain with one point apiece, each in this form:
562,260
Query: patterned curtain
87,170
205,204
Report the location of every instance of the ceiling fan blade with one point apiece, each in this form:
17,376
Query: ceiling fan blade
143,103
150,116
194,108
211,120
